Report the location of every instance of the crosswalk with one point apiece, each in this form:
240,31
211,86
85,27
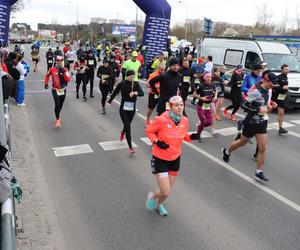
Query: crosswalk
118,145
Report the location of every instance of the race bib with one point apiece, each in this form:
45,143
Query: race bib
156,96
168,106
281,97
91,62
186,79
105,77
206,106
128,106
266,117
50,61
197,81
60,92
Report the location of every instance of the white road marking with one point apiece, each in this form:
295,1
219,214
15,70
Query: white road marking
72,150
242,175
285,124
246,178
227,131
296,121
147,141
115,145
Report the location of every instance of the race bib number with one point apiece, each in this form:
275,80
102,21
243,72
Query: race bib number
168,106
186,79
50,61
281,97
105,77
91,62
197,81
156,96
128,106
60,92
206,106
266,117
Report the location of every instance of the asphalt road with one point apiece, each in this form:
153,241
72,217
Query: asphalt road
99,196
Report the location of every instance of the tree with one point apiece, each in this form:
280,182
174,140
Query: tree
18,6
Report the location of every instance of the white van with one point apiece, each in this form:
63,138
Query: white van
249,52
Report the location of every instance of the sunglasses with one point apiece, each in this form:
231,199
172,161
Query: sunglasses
59,60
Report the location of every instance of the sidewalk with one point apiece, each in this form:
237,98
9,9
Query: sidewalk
38,226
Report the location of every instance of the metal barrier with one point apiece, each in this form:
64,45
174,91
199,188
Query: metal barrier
8,232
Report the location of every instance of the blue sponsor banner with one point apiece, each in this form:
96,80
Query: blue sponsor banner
4,20
122,29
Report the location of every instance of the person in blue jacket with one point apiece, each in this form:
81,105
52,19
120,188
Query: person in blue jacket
251,78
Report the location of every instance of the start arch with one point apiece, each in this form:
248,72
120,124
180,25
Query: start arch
157,24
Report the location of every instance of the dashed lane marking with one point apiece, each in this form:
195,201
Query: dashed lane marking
72,150
147,141
115,145
296,121
285,124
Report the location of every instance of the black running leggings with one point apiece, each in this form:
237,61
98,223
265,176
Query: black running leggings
58,101
81,78
104,92
90,78
236,99
127,117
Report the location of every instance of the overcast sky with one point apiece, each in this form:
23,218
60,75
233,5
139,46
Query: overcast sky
233,11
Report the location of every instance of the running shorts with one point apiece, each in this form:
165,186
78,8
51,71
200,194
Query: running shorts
162,166
251,129
152,102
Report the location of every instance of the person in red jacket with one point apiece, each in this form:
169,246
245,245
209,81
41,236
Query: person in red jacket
167,133
60,79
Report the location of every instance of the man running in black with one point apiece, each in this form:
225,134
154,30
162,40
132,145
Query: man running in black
169,84
91,66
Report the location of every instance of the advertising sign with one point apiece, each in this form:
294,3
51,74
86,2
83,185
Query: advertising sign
122,29
4,20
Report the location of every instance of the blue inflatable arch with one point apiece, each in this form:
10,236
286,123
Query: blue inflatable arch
157,24
5,7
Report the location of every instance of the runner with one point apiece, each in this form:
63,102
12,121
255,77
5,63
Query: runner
57,52
70,59
105,73
279,95
198,70
132,64
153,98
157,62
186,80
91,66
258,105
167,133
49,58
35,58
219,84
206,94
129,89
169,84
235,92
113,64
60,79
81,67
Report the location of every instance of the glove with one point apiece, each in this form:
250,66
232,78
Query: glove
162,145
195,136
46,86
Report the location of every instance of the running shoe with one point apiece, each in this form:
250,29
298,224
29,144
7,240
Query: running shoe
193,103
150,203
282,131
260,176
225,113
233,118
84,99
21,104
161,210
122,135
132,151
77,96
218,118
147,123
57,123
213,132
254,157
226,157
103,111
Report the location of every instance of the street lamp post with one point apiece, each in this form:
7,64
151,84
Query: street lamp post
186,18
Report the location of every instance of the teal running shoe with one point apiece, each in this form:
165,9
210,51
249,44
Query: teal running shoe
161,210
150,203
